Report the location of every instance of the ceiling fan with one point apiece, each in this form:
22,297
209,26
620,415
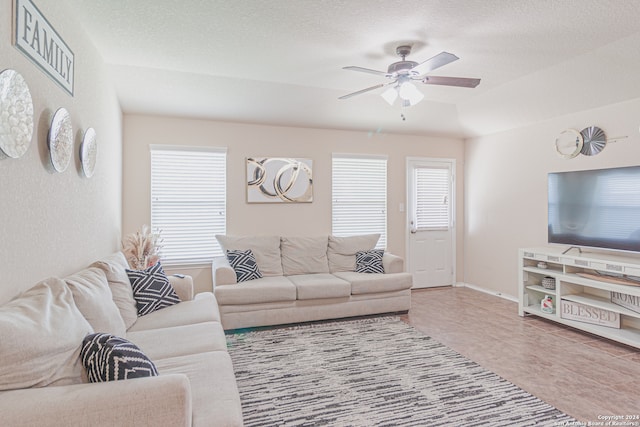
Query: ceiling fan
403,73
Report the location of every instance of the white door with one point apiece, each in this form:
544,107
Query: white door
430,218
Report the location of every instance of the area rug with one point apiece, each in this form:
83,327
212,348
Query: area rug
372,372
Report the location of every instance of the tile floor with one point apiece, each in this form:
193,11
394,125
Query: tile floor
581,374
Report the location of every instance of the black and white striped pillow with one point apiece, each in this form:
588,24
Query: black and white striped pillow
244,264
152,289
369,261
106,357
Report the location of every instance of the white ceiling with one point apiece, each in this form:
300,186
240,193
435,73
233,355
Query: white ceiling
280,61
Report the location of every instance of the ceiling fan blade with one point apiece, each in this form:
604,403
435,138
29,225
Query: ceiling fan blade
451,81
366,70
441,59
367,90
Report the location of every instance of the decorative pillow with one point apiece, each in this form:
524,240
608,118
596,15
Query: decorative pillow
370,261
152,289
342,250
304,255
106,357
266,250
40,335
244,264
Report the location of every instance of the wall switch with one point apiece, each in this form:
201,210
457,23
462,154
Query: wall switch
401,207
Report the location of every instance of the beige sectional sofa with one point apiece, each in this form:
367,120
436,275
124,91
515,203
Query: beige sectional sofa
307,279
43,382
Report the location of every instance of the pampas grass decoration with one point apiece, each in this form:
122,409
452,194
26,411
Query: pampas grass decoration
142,248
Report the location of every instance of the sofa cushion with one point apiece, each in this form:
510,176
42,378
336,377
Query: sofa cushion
363,283
342,251
93,298
106,357
203,308
214,392
267,289
244,265
266,249
41,333
180,340
304,255
370,261
151,289
114,267
320,285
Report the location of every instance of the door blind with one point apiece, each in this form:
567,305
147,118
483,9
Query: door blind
433,192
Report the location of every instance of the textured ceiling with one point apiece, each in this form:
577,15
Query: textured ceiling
280,61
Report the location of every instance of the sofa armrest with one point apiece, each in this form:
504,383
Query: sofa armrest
154,401
183,286
222,272
392,263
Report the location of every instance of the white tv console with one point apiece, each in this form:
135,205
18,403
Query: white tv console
577,280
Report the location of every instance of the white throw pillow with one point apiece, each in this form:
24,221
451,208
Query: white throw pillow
342,250
114,267
41,333
304,255
93,298
266,250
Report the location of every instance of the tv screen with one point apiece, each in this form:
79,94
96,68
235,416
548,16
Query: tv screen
596,208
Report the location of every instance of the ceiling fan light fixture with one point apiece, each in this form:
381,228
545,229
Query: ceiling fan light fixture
409,92
390,95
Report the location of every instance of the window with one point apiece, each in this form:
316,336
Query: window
188,201
359,194
432,198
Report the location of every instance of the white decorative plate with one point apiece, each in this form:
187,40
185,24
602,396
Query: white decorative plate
88,152
16,114
61,140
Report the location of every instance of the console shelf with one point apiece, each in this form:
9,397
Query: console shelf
584,285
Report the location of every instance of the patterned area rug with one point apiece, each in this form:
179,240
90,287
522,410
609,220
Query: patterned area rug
372,372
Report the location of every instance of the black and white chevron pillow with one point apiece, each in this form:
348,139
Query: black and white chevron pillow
151,289
244,264
106,357
369,261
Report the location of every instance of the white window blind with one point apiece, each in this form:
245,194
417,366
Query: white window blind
359,193
433,191
188,201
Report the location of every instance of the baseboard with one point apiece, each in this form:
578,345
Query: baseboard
486,291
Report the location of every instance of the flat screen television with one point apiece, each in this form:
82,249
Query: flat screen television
595,208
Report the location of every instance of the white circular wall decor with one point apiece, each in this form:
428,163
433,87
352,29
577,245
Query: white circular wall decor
16,114
569,143
88,152
60,140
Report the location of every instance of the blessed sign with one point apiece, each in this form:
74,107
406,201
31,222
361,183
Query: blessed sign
589,314
40,42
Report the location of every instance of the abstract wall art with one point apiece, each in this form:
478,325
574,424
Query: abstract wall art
279,180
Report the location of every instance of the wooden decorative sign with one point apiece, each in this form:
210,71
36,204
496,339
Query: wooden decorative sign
628,301
35,37
588,314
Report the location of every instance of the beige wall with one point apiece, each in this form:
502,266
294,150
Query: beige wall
52,224
506,187
245,140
